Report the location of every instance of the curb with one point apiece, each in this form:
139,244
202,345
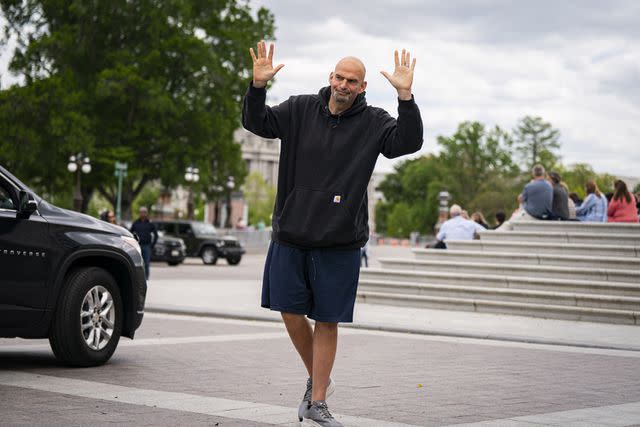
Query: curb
163,309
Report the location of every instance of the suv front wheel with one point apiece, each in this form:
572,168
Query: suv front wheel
88,320
234,260
209,255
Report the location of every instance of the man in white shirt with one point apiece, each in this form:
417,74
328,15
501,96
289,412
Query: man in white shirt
458,228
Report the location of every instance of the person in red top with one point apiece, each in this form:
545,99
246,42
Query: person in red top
622,207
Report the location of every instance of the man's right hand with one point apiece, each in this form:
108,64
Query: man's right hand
263,70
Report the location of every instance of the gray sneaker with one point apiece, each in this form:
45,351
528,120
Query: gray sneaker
318,415
306,400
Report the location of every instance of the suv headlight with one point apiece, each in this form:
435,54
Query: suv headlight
133,243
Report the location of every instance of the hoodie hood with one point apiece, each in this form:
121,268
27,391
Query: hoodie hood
359,105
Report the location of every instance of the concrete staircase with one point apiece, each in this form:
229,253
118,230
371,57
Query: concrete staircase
563,270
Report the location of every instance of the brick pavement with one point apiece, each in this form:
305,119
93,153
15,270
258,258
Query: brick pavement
378,377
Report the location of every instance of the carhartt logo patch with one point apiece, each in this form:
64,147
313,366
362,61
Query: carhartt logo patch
337,199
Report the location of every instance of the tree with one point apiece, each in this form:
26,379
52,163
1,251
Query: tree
416,183
476,162
475,165
577,175
260,198
154,83
537,142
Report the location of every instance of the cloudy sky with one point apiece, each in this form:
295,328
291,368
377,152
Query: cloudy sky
574,63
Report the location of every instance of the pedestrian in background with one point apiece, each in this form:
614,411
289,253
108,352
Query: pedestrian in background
147,236
560,201
536,200
623,204
479,218
330,142
111,217
457,228
594,206
500,219
364,254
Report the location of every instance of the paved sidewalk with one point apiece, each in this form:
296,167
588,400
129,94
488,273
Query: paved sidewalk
201,371
240,298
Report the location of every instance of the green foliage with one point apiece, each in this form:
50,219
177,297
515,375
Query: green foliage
401,220
475,162
636,189
147,198
577,175
383,209
475,165
537,142
153,83
415,183
260,198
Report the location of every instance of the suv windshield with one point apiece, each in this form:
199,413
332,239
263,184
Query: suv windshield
203,228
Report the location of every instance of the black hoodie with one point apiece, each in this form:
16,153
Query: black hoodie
326,162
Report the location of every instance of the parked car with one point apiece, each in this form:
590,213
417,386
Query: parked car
66,276
203,241
171,250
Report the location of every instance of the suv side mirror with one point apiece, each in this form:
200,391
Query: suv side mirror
27,205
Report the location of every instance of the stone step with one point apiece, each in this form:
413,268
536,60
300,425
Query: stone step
551,272
503,307
631,229
453,277
501,294
559,237
573,249
530,258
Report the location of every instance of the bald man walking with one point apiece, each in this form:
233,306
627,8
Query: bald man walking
329,146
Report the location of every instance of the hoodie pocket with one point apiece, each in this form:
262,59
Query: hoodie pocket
316,218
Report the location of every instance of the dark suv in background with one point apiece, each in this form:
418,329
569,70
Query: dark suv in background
203,241
66,276
169,249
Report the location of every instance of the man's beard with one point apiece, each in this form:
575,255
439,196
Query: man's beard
341,98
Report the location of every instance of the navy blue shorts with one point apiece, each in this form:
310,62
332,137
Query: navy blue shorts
320,283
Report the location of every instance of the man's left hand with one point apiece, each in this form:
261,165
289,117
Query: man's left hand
402,77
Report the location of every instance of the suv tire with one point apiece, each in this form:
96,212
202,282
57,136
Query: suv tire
209,255
73,333
234,260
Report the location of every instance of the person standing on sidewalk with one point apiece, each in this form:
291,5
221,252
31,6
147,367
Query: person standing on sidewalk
147,237
329,146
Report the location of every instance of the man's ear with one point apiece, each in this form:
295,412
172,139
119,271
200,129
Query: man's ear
330,77
363,86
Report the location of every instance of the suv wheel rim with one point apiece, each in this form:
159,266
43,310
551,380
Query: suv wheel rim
208,255
97,317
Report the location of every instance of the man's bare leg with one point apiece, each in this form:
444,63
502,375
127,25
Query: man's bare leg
301,335
325,341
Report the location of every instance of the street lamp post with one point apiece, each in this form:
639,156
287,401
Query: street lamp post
120,173
78,163
230,186
443,210
192,175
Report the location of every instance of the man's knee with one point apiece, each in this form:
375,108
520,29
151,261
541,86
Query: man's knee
292,317
327,326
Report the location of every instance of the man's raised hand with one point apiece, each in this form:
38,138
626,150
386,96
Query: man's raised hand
263,70
402,77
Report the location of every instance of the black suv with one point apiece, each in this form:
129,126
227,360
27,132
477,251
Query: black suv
202,241
169,249
66,276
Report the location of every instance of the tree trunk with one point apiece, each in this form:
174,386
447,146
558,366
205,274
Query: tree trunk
87,193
